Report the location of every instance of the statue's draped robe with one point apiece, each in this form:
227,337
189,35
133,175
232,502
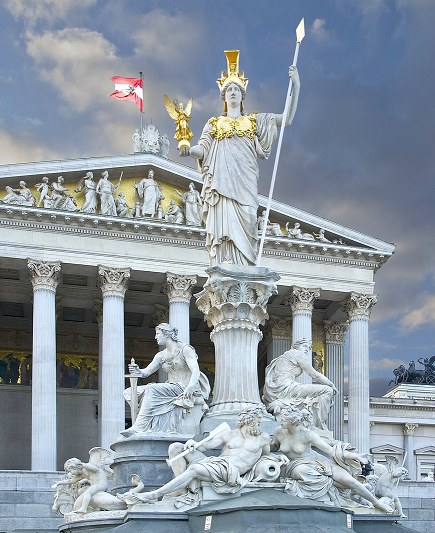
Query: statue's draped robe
161,404
230,171
282,390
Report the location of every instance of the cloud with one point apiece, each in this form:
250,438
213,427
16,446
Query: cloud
319,32
383,345
74,61
385,364
33,11
21,150
422,315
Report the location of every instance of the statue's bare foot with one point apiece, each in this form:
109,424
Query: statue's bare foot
384,507
145,497
128,432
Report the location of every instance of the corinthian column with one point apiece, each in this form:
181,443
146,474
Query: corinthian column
408,432
179,290
234,301
301,302
358,308
44,278
278,332
113,283
335,337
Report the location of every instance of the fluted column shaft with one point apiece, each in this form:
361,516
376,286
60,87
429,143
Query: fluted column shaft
358,307
179,290
113,283
408,432
335,337
301,302
45,278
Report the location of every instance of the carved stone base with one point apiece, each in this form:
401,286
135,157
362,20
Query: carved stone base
145,456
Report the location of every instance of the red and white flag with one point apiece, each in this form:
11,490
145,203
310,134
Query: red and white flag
128,89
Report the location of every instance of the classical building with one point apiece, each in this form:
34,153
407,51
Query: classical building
81,293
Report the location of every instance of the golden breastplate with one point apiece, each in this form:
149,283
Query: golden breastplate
226,126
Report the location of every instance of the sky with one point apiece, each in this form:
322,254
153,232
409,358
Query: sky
360,151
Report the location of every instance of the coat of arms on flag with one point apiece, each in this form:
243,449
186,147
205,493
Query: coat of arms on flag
128,89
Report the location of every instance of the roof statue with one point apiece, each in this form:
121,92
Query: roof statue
227,154
181,116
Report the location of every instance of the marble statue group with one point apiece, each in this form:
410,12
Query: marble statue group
299,455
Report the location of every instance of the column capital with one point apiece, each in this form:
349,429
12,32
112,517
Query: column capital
278,327
359,306
301,300
335,331
409,428
44,274
98,312
179,287
113,281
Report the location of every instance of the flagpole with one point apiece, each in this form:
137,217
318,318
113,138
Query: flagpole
141,110
300,34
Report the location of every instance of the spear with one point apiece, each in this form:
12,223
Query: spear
300,34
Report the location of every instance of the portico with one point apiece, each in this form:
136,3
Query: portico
162,265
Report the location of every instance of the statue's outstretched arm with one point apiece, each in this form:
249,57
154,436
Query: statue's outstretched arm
294,75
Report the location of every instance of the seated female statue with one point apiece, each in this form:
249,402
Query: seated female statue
282,390
164,405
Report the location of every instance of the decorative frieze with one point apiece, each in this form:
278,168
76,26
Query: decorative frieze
44,274
278,327
301,300
335,331
359,306
161,314
113,281
179,287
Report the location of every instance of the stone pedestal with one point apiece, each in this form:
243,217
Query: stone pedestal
145,456
358,307
179,290
44,278
113,283
234,301
301,302
335,338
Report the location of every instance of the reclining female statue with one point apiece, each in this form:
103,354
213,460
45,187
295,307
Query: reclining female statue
164,405
312,475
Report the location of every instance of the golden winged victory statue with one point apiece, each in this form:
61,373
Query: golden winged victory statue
181,116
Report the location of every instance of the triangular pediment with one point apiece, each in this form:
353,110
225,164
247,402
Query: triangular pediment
387,449
427,450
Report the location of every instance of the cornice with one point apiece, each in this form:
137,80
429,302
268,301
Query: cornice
100,226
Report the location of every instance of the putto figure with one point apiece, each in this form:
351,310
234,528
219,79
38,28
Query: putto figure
89,483
164,405
227,154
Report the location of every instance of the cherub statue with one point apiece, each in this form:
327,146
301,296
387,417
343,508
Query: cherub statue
92,478
181,116
388,475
